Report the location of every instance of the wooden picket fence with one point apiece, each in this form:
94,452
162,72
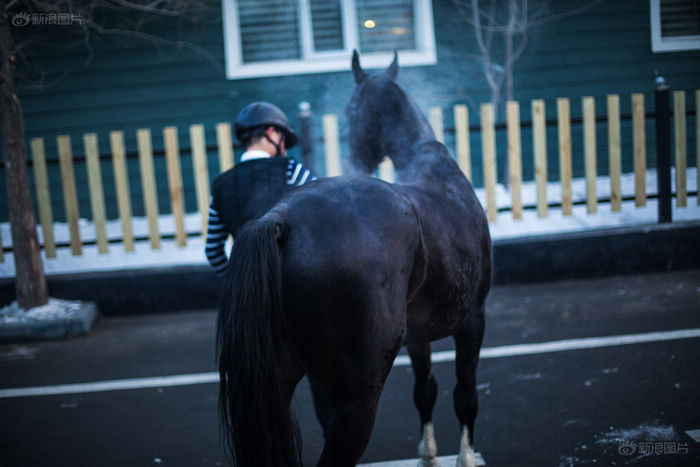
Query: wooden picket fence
565,150
332,146
121,182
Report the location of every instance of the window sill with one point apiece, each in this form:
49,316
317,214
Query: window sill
340,62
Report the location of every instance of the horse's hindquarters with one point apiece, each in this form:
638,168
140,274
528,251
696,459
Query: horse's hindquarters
346,262
458,248
346,265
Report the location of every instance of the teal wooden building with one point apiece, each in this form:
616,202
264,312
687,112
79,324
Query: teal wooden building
293,51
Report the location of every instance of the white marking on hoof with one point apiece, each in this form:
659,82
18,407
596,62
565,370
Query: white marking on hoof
466,457
427,448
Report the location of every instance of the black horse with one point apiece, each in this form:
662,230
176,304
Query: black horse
339,275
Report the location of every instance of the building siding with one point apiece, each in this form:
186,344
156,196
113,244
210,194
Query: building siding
128,84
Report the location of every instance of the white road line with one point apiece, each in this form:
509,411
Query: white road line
113,385
401,360
563,345
444,460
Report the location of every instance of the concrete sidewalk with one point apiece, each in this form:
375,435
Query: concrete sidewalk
580,255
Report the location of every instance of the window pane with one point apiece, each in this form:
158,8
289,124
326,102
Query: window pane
385,25
327,25
269,30
680,18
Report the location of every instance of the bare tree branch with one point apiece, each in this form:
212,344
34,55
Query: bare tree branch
42,85
158,40
520,17
152,8
566,14
511,22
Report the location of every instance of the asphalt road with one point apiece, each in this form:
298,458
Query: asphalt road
610,404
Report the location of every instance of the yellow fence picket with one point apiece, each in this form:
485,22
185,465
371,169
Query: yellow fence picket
589,149
70,196
332,146
177,195
43,196
223,140
386,170
435,118
121,183
488,144
201,172
681,145
515,157
615,151
539,130
148,183
462,137
97,199
565,168
640,150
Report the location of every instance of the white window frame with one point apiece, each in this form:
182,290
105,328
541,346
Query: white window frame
321,62
668,44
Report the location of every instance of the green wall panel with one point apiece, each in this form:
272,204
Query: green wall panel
127,84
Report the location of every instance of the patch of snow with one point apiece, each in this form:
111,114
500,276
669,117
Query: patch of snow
528,376
55,310
642,433
18,352
569,461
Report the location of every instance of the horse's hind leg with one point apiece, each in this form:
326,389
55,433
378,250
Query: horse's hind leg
424,396
349,429
468,342
350,396
349,389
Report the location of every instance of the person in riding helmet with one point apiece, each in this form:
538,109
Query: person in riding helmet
253,186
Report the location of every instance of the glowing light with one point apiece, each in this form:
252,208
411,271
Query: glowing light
369,24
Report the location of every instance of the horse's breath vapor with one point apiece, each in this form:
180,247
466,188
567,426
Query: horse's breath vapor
339,275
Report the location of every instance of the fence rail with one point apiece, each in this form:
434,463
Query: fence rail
463,132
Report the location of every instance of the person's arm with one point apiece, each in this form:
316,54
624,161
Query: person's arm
216,240
297,174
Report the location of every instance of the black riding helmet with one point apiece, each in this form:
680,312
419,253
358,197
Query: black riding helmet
262,115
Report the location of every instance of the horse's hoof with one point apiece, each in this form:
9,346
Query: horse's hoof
429,462
427,448
466,459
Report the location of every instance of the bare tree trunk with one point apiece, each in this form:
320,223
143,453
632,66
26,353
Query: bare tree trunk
30,283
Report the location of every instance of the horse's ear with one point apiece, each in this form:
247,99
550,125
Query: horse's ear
357,70
393,69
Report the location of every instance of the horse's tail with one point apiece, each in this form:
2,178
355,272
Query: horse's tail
258,427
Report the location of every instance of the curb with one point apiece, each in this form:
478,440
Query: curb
598,253
581,255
